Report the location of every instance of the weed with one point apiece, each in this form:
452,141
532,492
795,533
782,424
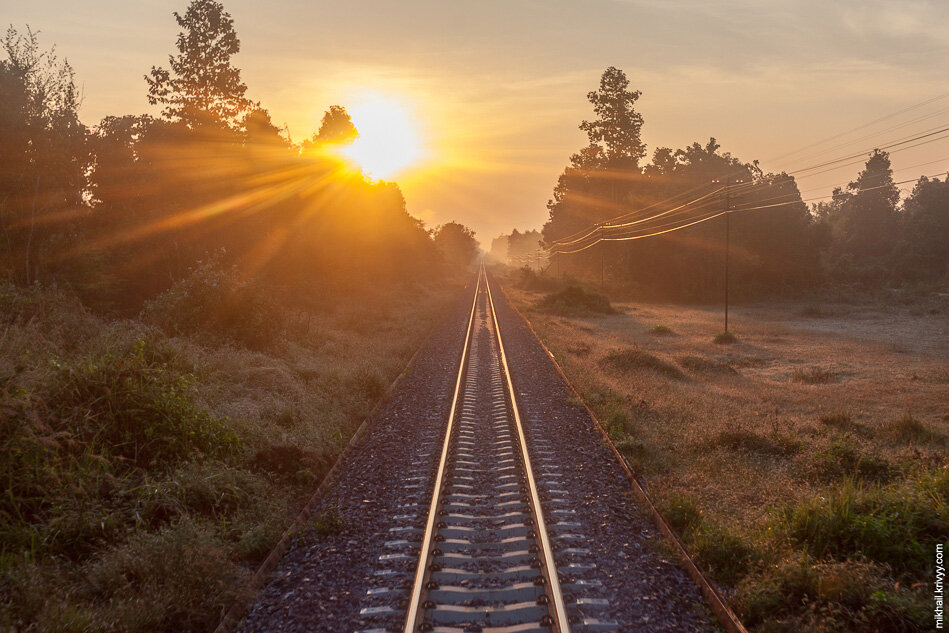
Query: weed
813,376
617,425
825,596
750,442
327,523
727,556
908,429
682,512
838,420
633,359
725,338
660,330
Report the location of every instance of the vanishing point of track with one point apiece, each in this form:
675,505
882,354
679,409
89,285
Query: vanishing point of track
485,558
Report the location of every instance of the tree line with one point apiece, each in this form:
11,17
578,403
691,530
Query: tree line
863,235
122,211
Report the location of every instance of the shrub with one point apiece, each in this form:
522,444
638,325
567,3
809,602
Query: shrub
660,330
897,525
800,594
682,512
214,303
137,404
576,300
842,459
813,376
633,359
725,555
725,338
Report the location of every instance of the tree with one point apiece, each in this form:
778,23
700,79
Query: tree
202,87
865,223
43,152
336,128
925,249
617,129
457,244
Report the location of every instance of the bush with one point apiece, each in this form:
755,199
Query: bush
725,338
660,330
842,459
682,512
214,303
137,404
800,594
633,359
897,525
576,301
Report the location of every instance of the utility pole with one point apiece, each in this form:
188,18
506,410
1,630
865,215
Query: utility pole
727,245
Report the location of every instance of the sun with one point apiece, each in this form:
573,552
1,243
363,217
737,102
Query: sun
389,141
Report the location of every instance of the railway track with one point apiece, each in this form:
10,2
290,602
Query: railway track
483,546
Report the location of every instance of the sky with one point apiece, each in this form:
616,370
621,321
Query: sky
498,88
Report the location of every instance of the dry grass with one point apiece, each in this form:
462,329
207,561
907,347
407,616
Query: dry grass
146,475
781,445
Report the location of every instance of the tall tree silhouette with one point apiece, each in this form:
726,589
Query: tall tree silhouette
202,86
865,222
616,130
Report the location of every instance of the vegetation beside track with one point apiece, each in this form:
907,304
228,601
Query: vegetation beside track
804,465
148,465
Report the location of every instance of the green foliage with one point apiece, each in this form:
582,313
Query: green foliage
725,554
682,512
137,404
823,597
841,460
327,523
202,88
214,303
577,301
897,525
633,359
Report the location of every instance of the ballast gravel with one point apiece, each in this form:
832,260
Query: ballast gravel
362,536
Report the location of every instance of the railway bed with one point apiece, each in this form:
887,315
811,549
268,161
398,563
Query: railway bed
482,499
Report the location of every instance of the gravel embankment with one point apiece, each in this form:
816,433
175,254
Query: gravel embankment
645,591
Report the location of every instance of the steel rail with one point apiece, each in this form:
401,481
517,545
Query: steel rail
413,612
561,621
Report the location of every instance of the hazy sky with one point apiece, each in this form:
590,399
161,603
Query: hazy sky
499,88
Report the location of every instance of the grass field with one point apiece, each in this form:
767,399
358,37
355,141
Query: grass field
804,464
145,475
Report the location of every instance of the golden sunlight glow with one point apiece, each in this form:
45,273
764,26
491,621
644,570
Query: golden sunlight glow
389,140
